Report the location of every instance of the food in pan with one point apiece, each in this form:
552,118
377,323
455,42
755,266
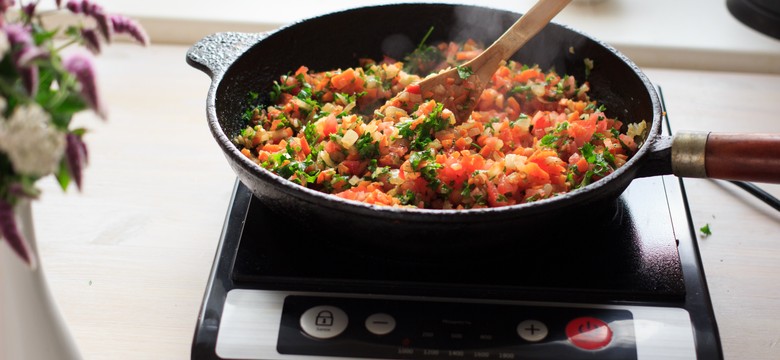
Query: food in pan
534,134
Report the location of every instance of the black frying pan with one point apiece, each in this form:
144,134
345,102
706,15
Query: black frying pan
242,62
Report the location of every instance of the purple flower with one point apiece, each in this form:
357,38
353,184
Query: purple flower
29,9
73,6
18,34
94,11
124,25
76,157
5,5
28,54
91,40
27,69
10,232
103,24
30,78
80,65
85,7
20,38
38,142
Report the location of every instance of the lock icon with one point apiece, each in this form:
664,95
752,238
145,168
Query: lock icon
324,318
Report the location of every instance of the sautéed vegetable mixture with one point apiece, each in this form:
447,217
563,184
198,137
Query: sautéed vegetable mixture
532,135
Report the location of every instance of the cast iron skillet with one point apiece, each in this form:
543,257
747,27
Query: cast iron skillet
242,62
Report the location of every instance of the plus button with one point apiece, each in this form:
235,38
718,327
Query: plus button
532,330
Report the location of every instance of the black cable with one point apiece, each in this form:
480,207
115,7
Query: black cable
759,193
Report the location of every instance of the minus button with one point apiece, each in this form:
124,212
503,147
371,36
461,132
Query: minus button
380,324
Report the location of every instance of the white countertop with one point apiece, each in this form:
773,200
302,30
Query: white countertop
129,257
686,34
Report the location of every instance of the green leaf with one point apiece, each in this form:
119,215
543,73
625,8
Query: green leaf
407,198
548,140
519,89
422,60
311,134
63,175
367,147
425,38
705,230
464,72
79,131
73,31
600,161
278,89
424,133
41,35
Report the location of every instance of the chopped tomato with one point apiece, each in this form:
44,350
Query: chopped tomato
353,167
330,126
529,74
530,136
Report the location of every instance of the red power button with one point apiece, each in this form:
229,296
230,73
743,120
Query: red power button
588,333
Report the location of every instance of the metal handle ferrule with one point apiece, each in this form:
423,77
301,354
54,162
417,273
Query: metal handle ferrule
689,154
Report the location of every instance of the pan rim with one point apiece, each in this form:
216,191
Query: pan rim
330,201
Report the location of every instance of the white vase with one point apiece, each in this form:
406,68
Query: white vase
31,327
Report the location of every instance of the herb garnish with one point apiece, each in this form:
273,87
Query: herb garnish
600,163
285,164
277,90
367,147
407,198
705,230
425,163
423,134
464,72
424,58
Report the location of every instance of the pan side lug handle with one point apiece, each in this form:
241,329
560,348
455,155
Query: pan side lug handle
214,53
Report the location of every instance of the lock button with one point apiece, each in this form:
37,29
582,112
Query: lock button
324,321
324,318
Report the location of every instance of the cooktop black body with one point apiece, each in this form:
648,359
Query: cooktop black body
643,253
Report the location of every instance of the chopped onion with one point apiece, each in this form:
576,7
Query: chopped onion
395,179
495,170
636,129
325,157
391,71
393,112
349,107
514,161
302,104
354,180
538,89
329,108
349,139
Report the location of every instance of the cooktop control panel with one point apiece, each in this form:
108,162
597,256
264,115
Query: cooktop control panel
282,325
407,329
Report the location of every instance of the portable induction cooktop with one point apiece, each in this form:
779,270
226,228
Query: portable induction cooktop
629,287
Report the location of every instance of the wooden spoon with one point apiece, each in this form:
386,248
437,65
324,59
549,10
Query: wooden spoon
458,90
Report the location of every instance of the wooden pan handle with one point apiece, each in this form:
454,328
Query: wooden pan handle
751,157
727,156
